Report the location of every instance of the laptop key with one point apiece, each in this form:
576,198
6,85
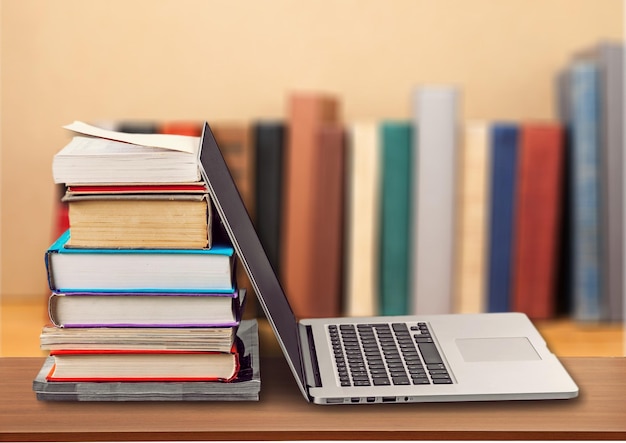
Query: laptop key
401,381
420,381
442,381
440,377
430,353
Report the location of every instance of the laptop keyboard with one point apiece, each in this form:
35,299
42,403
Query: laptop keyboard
385,354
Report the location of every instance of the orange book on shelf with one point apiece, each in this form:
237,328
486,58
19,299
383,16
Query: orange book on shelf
310,255
538,211
181,127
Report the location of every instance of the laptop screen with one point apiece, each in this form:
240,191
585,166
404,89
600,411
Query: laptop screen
236,220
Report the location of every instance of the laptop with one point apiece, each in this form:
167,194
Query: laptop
389,359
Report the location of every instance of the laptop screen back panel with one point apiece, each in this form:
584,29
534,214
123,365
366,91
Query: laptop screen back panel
246,243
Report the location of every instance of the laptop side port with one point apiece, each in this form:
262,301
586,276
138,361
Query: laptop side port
354,399
371,399
389,399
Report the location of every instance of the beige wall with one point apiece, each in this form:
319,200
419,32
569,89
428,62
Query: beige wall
65,60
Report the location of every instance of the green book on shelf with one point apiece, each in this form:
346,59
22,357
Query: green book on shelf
396,138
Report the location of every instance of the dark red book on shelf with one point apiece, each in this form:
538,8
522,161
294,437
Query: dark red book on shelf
538,212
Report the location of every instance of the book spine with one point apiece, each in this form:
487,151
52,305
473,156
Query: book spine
303,177
470,292
585,187
611,82
269,138
395,214
329,220
435,159
537,214
362,209
503,178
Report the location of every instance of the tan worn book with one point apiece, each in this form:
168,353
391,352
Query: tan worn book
473,201
139,220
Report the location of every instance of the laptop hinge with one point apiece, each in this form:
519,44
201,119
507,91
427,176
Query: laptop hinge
309,357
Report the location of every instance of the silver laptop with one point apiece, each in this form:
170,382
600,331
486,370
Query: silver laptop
391,359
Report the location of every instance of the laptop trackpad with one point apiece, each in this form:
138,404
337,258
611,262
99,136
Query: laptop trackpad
496,349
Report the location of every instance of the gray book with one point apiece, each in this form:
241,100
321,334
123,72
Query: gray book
434,200
610,59
245,387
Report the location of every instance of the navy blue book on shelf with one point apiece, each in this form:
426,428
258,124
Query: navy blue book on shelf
504,146
585,185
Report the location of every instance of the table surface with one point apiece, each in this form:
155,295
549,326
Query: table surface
283,414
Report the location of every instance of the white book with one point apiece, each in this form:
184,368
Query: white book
470,294
98,156
362,215
434,189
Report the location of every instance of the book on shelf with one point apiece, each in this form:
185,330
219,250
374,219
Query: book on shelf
396,138
610,61
180,127
133,218
245,386
99,155
362,222
145,309
269,137
313,189
139,270
504,142
471,260
585,187
536,237
435,113
329,235
236,142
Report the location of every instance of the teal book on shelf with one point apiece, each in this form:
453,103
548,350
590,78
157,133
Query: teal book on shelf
395,215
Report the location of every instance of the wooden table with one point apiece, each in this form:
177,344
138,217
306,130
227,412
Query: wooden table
283,414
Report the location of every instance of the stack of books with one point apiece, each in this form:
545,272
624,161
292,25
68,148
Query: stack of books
144,304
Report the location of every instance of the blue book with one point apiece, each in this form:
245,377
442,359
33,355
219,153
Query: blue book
139,270
504,147
395,221
585,188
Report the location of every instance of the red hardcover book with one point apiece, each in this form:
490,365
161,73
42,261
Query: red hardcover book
156,188
144,365
538,211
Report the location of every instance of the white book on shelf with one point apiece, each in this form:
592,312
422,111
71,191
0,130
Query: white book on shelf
434,189
362,215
